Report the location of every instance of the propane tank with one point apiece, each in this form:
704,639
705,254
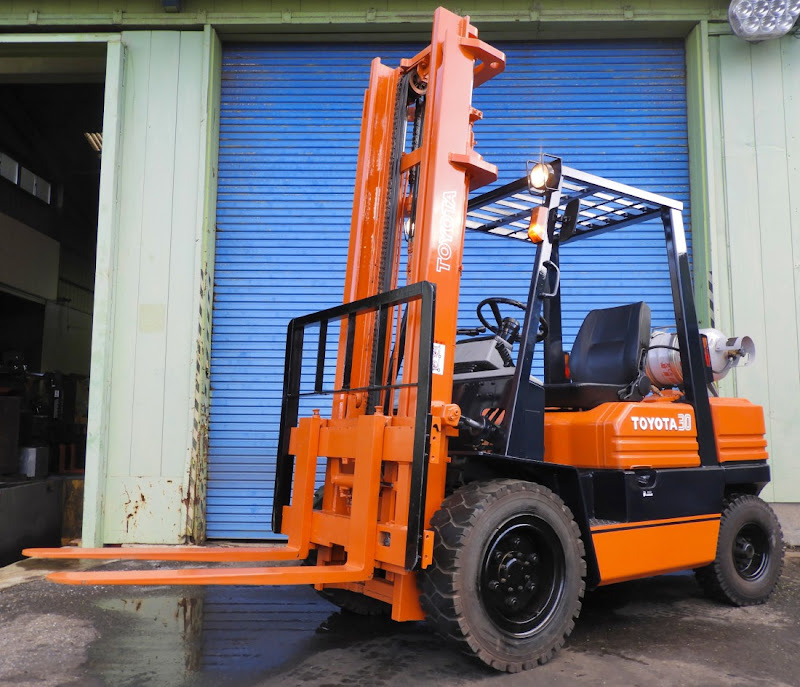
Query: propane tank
663,365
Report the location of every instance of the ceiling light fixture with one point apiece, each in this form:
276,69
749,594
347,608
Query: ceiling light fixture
95,140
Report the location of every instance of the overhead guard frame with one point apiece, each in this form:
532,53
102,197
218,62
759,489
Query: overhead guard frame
605,205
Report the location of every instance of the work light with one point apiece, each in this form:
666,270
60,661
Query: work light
759,20
540,176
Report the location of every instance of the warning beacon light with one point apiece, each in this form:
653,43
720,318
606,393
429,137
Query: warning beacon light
538,225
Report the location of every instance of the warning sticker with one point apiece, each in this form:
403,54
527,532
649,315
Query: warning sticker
438,359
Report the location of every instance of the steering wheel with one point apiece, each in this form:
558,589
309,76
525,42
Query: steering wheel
494,303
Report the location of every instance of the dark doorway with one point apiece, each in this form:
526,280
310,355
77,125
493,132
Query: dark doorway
50,155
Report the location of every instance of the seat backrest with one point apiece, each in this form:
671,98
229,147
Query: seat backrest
609,345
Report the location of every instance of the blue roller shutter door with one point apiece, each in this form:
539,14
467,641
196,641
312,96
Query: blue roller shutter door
290,121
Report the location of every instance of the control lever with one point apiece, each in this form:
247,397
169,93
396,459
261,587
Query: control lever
502,348
470,331
479,429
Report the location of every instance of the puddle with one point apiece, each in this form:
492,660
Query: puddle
192,637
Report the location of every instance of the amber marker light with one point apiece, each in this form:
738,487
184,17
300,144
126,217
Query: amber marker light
538,226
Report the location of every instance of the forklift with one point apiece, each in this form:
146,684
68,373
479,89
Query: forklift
460,487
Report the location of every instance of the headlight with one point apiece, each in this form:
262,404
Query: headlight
758,20
541,176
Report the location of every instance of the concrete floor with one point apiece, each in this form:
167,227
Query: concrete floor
660,631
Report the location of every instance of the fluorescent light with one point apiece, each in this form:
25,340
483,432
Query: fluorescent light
95,140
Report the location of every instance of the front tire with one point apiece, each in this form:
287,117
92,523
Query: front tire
508,573
749,557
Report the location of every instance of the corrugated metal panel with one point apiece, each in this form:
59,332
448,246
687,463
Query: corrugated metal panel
288,141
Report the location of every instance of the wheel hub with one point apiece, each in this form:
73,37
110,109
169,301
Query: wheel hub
751,552
745,550
521,575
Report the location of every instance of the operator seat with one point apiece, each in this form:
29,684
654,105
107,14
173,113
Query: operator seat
607,359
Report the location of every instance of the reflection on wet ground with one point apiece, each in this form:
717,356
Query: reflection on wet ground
221,635
265,636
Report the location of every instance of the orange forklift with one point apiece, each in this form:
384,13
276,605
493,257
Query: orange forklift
459,487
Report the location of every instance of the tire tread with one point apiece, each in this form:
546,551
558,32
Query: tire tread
713,579
439,598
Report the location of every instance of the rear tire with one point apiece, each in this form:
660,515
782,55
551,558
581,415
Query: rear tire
508,573
749,557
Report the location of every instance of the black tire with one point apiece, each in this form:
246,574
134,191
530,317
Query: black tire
492,534
749,557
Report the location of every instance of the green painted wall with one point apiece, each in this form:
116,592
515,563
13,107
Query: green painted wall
755,238
698,96
195,501
150,252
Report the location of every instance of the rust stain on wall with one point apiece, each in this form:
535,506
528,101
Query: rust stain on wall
195,497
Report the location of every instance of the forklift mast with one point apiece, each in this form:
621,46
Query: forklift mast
394,371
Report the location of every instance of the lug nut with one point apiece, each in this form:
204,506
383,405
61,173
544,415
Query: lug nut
511,601
494,585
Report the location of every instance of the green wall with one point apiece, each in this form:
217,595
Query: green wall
755,237
151,254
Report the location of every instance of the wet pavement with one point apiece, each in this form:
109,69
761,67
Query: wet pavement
659,631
